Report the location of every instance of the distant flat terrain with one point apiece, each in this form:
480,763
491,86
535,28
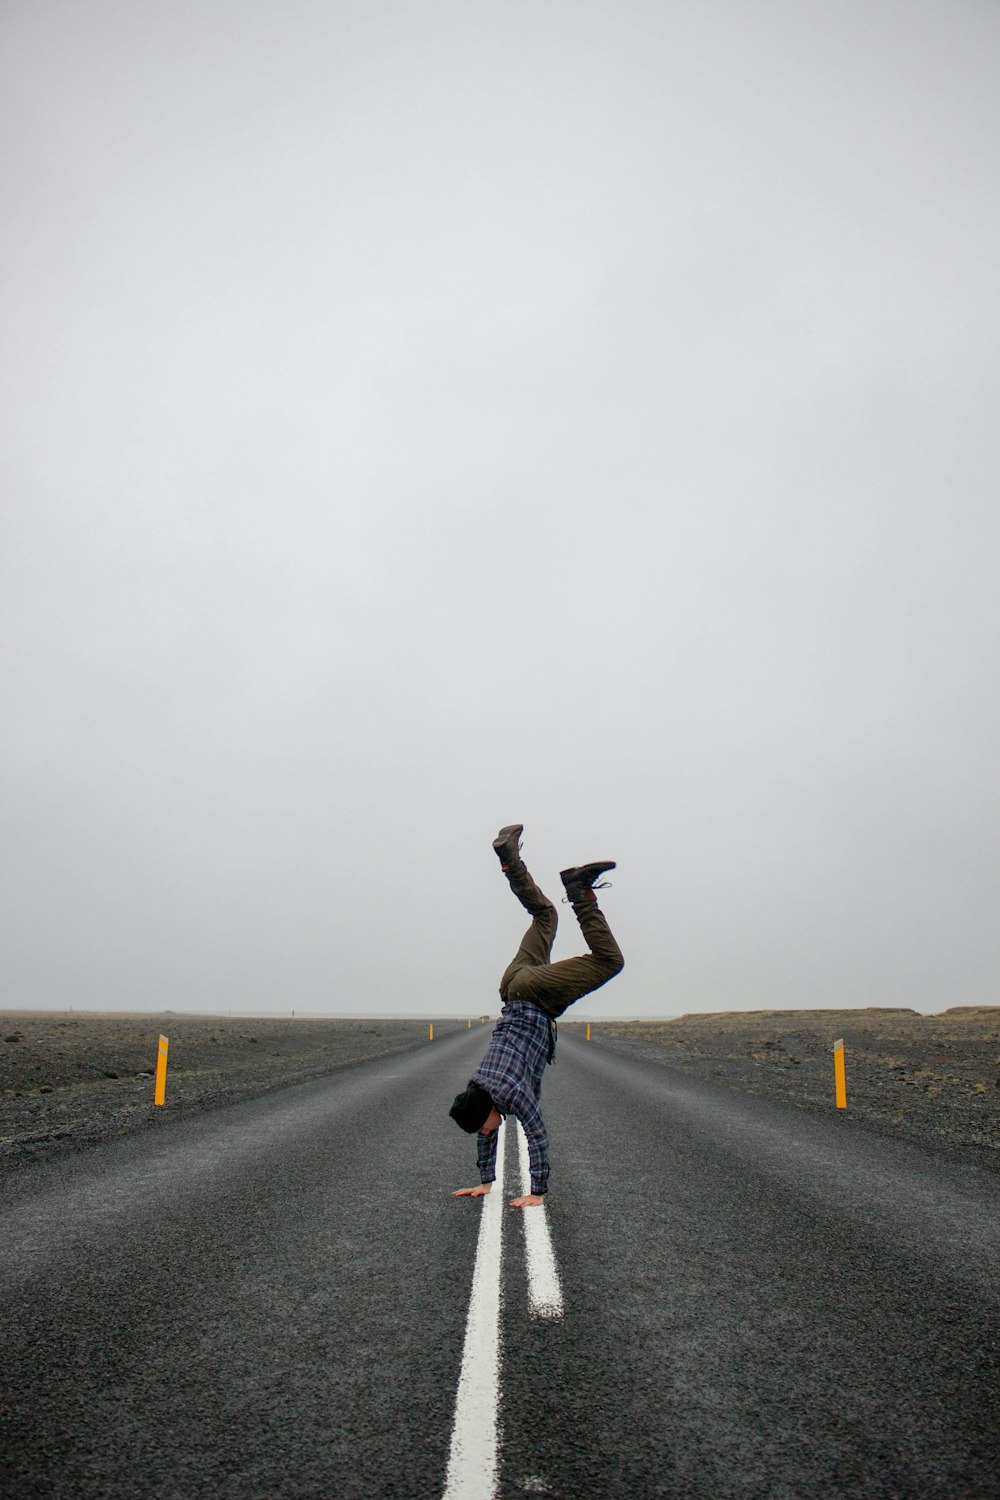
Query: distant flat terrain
72,1079
925,1077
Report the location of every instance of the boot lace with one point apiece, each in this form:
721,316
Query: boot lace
599,885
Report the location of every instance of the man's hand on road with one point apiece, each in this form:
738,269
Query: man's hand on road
530,1200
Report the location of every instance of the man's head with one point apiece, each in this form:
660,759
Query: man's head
472,1109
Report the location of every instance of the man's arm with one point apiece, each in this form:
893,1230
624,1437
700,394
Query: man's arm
486,1155
486,1160
530,1116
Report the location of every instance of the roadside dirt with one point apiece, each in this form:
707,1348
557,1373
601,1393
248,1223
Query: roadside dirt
69,1080
933,1078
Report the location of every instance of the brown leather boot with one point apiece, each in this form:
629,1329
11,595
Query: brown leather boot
508,845
580,880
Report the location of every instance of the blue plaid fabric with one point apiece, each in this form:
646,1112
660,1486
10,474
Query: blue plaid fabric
511,1073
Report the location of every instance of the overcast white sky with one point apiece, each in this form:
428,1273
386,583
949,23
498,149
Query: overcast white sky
419,417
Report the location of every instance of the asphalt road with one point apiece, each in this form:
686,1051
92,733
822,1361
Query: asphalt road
270,1300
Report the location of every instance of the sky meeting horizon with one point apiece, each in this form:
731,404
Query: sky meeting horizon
420,418
450,1018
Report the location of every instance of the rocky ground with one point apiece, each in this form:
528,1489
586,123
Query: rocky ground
69,1080
932,1078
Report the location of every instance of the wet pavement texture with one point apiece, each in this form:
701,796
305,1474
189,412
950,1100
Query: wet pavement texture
269,1298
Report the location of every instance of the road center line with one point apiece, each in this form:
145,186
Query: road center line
545,1296
472,1461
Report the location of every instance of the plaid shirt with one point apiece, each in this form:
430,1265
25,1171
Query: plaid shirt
524,1040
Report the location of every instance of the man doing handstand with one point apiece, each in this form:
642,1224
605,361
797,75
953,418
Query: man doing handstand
535,992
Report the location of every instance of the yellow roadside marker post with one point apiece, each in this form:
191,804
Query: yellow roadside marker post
588,1031
838,1074
161,1072
431,1037
470,1023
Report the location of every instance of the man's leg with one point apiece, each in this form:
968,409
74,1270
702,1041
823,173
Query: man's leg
536,945
556,986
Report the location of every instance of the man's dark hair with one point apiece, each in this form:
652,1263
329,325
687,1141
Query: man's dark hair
471,1108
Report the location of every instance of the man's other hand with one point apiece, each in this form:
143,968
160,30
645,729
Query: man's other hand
476,1192
530,1200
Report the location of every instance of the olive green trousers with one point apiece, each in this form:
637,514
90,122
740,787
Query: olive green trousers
553,986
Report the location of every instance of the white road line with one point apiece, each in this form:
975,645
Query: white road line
472,1462
545,1296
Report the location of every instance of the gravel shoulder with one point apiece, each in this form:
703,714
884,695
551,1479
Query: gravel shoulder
934,1079
70,1080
